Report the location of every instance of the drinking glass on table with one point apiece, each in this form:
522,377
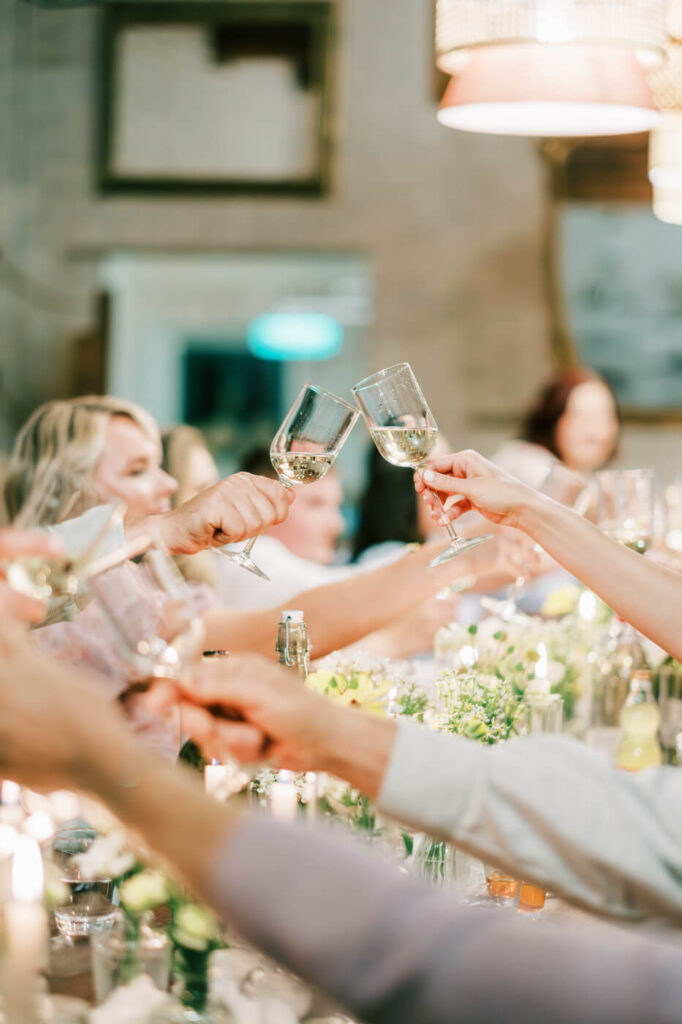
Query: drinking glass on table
626,506
404,431
89,908
304,448
149,607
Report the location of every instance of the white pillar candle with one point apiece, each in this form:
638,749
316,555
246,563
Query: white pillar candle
310,795
284,797
8,842
218,780
11,812
26,932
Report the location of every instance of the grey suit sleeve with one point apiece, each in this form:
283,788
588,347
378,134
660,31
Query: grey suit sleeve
550,809
394,952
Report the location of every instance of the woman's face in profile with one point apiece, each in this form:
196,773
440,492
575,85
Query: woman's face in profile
587,433
129,468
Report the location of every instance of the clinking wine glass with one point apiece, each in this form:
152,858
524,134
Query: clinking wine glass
405,432
305,447
57,579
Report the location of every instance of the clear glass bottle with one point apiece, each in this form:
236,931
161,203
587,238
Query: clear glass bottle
639,721
623,655
293,646
293,651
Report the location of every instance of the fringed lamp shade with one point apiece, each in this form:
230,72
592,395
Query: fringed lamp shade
665,145
549,67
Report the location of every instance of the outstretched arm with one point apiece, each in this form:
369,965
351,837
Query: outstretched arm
644,593
338,614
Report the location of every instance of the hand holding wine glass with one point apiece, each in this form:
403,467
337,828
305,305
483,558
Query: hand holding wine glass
305,447
404,431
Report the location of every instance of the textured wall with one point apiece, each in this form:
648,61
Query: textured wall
450,222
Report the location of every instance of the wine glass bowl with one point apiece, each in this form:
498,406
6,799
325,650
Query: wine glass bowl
404,431
626,506
149,608
305,447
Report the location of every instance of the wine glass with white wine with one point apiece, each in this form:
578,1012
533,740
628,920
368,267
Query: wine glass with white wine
305,447
626,506
405,432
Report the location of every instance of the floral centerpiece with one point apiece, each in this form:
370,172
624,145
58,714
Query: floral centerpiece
378,686
146,894
511,651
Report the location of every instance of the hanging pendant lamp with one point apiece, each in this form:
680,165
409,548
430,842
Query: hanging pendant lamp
665,144
549,67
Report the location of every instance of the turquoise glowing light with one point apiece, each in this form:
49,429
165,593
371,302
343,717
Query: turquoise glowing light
294,336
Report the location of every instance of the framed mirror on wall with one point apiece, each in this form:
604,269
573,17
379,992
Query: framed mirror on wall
615,274
226,97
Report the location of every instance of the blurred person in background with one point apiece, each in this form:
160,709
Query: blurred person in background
574,419
573,422
390,515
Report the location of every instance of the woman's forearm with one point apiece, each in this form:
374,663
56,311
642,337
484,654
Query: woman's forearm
644,593
338,614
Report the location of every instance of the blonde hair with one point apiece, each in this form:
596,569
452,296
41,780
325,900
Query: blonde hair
177,444
51,471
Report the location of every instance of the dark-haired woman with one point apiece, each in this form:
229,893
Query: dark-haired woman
574,419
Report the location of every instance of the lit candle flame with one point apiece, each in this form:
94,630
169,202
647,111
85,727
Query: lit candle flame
27,871
542,664
8,840
10,794
587,606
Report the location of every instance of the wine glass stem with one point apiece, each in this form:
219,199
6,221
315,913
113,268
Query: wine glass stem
248,547
452,533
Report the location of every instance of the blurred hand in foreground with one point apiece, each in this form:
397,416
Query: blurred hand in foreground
15,544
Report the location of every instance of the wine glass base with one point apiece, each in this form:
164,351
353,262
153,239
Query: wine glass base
506,610
245,562
458,547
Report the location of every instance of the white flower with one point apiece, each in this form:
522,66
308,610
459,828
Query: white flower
144,891
130,1004
485,635
556,670
194,927
106,857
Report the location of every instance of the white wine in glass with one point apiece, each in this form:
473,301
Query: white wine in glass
304,448
405,432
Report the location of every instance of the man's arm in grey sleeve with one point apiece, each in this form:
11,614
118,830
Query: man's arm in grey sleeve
550,810
395,952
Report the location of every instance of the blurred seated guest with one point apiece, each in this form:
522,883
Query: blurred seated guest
391,516
389,949
574,420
